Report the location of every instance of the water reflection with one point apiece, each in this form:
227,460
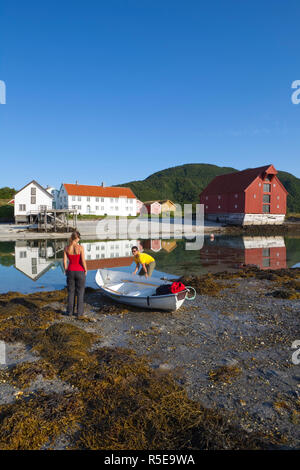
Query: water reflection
263,252
35,258
43,259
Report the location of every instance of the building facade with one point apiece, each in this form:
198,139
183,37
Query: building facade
30,200
249,197
97,200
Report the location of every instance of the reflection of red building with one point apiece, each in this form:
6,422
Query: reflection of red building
154,245
264,252
94,264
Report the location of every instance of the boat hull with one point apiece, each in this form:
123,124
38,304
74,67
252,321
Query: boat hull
168,302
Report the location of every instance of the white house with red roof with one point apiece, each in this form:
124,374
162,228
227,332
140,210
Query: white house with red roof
97,200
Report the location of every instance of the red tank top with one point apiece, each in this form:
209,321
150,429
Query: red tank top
75,263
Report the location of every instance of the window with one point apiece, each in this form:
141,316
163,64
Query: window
97,248
266,262
102,208
267,198
111,199
97,256
102,199
266,252
97,199
79,198
102,247
34,265
22,207
267,178
33,191
266,208
267,188
88,199
116,208
89,246
97,208
23,254
73,198
33,200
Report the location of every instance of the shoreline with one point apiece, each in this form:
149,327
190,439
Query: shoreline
88,230
229,350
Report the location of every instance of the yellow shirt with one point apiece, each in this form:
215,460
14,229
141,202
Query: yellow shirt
143,258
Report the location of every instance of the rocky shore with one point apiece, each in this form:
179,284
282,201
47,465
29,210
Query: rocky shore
220,373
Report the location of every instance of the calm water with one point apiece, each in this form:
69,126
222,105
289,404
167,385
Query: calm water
29,266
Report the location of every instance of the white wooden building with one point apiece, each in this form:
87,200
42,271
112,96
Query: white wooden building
97,200
31,199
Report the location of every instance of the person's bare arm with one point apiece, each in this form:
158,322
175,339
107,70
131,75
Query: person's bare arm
65,260
136,269
83,260
145,269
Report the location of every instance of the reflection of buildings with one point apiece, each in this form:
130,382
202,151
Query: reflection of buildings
108,254
158,244
34,259
264,252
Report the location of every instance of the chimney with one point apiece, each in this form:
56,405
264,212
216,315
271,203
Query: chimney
76,182
102,184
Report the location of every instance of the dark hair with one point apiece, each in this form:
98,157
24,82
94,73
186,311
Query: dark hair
134,248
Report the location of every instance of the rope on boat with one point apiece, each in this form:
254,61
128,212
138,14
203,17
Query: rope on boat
188,289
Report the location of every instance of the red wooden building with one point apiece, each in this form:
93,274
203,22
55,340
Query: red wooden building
252,196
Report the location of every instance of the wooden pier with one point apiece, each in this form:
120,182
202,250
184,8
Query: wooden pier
55,220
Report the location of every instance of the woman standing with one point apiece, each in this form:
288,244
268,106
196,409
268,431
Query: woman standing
76,270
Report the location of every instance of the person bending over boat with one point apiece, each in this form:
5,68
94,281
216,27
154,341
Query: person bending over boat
144,260
76,270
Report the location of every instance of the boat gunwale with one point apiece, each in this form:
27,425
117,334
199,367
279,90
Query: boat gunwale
142,297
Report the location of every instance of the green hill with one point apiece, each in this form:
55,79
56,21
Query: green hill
184,183
7,193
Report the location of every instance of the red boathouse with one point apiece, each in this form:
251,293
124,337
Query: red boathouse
248,197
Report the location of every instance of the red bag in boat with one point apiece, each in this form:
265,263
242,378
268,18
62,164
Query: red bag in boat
177,287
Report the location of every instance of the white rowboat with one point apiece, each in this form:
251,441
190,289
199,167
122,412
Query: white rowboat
138,291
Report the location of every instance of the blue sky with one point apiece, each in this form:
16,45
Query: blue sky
115,90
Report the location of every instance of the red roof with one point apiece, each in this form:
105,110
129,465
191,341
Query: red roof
237,181
98,191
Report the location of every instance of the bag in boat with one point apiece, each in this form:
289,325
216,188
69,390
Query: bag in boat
177,287
173,288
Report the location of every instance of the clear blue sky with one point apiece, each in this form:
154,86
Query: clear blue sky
115,90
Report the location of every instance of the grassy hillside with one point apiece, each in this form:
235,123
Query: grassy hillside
180,184
183,184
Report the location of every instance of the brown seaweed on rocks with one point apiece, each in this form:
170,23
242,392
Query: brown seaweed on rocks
118,401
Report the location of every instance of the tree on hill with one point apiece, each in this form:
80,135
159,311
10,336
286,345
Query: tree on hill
7,193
